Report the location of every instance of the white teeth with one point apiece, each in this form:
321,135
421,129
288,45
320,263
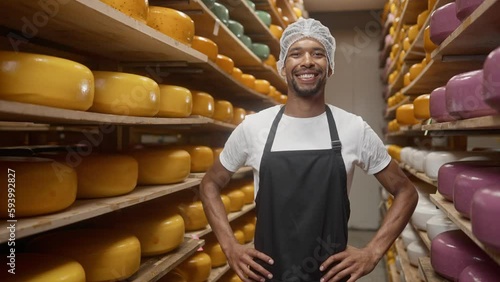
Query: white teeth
306,76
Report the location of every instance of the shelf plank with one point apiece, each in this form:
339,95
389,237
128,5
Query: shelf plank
85,209
254,27
486,122
429,274
477,35
423,236
152,269
463,223
418,174
410,272
437,73
105,31
390,113
241,172
232,216
287,10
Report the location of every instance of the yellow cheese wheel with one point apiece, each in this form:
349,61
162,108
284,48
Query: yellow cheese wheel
406,79
238,115
227,203
237,199
276,31
125,94
173,23
392,77
173,276
274,95
429,46
240,236
196,268
217,151
412,33
262,86
297,11
193,215
225,63
236,74
105,254
162,166
159,229
202,157
214,250
282,99
42,268
223,111
137,9
106,175
391,101
427,57
205,46
203,104
406,45
286,20
405,116
421,107
249,231
422,17
415,70
272,91
45,80
175,101
271,61
39,186
230,277
248,80
249,191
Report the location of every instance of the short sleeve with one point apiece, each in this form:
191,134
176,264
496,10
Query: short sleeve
235,152
373,155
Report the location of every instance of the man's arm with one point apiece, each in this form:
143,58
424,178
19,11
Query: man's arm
359,262
240,258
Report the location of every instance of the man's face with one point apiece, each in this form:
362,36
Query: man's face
306,67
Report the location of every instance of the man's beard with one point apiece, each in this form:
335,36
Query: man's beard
307,92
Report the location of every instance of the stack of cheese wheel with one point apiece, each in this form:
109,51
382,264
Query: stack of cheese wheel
443,22
203,104
226,201
173,276
262,86
429,46
434,161
196,268
41,186
247,187
421,107
43,267
162,166
202,157
239,235
159,227
105,254
437,106
237,196
125,94
36,79
246,225
405,115
104,175
238,115
205,46
237,74
458,246
175,101
214,250
225,63
223,111
248,80
173,23
190,208
485,211
137,9
393,126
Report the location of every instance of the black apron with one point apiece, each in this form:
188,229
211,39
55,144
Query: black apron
302,207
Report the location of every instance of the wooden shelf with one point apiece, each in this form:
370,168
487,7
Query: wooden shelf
415,130
463,223
85,209
218,272
477,35
232,216
479,123
287,10
418,174
410,272
105,31
411,11
154,268
254,27
241,172
423,236
429,274
437,73
390,113
265,5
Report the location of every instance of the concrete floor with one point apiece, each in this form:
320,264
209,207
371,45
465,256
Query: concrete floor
359,238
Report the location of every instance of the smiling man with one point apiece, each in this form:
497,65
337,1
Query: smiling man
303,156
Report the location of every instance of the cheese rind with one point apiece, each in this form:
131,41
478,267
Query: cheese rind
223,111
203,104
196,268
172,23
162,166
205,46
137,9
175,101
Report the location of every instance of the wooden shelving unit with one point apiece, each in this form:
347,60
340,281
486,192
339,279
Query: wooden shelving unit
398,83
85,209
418,174
464,224
241,172
410,272
232,216
266,5
473,124
429,274
390,113
152,269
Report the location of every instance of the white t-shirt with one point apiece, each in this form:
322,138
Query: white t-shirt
361,146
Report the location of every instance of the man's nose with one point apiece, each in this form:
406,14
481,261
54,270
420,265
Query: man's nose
307,60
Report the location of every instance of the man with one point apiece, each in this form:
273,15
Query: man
303,156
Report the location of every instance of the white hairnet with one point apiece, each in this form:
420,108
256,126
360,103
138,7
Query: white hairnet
306,28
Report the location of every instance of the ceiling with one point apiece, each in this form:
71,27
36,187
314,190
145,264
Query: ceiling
342,5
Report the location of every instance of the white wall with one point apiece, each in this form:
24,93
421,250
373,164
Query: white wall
357,88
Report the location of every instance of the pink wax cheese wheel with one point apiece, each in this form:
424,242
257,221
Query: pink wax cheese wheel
443,22
485,213
491,79
437,105
465,7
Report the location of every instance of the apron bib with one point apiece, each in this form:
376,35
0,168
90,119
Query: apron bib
302,207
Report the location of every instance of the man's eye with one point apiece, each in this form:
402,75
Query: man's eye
319,54
294,55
